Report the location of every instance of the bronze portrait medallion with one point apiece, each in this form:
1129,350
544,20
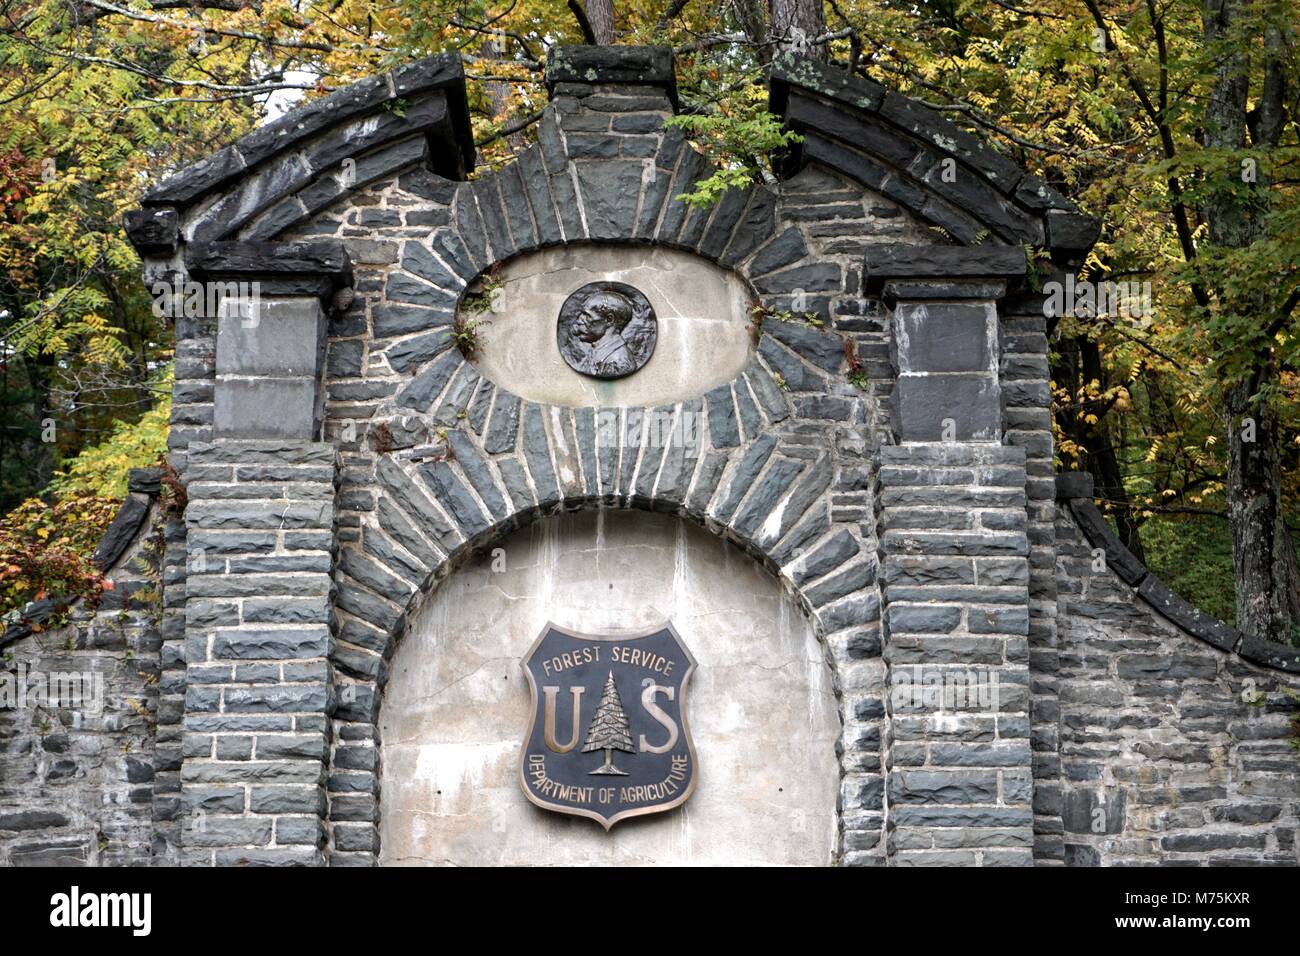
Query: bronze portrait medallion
607,330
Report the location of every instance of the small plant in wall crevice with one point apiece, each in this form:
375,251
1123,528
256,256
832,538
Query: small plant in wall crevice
465,334
486,293
856,375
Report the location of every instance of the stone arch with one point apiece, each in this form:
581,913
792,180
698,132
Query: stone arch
842,649
430,519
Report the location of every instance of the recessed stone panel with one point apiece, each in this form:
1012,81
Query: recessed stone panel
760,705
702,313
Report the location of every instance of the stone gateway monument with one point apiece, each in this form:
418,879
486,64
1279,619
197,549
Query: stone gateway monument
805,432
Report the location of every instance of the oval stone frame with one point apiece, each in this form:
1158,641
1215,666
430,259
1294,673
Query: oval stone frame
632,344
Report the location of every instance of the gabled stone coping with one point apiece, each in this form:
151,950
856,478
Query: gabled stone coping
1075,490
441,71
902,148
142,491
293,167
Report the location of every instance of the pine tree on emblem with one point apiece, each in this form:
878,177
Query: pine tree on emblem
608,730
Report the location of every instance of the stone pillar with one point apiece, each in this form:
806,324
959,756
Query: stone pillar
258,642
950,502
260,544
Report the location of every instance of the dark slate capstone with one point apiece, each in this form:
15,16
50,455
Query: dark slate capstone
790,70
324,259
1191,619
153,231
932,129
372,132
855,129
1270,654
1096,529
942,262
147,481
633,65
1071,230
123,530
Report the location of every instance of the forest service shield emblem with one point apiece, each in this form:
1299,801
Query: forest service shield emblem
608,737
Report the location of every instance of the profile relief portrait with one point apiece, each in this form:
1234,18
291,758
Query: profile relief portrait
607,330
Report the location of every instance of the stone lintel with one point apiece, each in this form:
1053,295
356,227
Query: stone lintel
942,264
322,263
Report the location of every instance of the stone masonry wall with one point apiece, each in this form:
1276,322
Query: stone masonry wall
77,771
1171,750
886,452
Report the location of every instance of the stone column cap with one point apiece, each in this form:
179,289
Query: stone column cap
316,268
942,264
630,65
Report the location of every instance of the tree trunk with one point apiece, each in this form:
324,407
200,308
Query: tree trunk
1103,463
600,13
1263,553
1079,361
796,24
752,16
